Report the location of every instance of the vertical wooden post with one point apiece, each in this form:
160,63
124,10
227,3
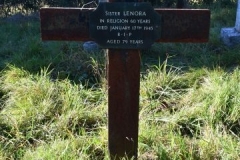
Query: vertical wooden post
123,102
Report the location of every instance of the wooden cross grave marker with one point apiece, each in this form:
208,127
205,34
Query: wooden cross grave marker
124,28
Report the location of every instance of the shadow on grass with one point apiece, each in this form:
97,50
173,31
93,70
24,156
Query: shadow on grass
21,46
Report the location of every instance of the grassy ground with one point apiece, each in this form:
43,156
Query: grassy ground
54,103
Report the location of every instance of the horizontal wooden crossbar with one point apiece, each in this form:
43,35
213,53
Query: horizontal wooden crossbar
178,25
185,25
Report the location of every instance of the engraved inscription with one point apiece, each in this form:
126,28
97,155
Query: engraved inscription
125,25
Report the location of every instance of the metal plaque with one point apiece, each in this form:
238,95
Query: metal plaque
125,25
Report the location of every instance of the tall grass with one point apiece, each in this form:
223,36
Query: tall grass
37,109
205,122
